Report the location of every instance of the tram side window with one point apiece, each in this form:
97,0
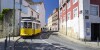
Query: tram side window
33,25
29,25
37,26
25,24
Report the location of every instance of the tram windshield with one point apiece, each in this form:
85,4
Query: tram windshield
26,25
29,25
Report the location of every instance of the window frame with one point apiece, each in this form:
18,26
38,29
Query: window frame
90,9
29,24
64,9
69,13
33,24
74,12
68,5
75,1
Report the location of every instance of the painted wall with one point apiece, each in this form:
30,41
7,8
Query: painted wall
79,26
62,17
50,22
81,21
41,10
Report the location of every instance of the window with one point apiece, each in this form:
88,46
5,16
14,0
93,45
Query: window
37,26
75,12
32,13
68,16
64,17
68,5
29,24
60,12
74,1
33,25
94,10
64,8
38,16
25,24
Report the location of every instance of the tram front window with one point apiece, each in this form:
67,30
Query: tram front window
29,25
23,24
26,25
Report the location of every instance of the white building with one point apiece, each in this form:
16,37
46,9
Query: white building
50,22
40,8
26,10
53,20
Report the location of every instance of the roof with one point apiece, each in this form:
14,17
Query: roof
32,3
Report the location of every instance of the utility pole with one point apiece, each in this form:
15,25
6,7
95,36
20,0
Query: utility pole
14,19
20,16
66,16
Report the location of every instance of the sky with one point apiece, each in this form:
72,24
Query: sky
50,5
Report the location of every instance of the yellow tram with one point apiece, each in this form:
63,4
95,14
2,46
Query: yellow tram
30,27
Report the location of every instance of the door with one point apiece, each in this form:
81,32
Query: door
95,31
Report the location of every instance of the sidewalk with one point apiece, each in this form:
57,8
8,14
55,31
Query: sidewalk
8,45
11,39
87,43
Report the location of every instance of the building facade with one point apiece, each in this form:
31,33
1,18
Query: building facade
62,17
40,8
53,20
82,18
50,22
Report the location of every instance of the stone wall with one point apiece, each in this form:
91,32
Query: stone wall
1,30
8,24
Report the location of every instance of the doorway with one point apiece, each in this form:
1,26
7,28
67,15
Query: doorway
95,31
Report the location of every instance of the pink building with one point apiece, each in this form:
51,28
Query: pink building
80,19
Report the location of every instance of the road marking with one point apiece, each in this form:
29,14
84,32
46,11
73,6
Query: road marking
53,45
49,42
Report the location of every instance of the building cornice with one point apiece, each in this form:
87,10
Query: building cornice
33,3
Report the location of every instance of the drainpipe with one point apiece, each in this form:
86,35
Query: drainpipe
66,18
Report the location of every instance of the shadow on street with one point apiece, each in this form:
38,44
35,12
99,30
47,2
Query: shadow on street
39,46
8,46
43,35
